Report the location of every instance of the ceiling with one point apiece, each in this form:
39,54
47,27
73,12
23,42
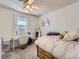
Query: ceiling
45,6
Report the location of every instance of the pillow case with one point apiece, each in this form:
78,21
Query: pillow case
72,35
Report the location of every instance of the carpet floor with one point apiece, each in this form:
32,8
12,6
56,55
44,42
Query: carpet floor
28,53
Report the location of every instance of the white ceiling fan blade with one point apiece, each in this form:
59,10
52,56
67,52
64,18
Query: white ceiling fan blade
35,7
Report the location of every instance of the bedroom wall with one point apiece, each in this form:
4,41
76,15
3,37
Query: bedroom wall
63,19
7,18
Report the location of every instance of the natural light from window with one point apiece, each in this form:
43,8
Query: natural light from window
21,26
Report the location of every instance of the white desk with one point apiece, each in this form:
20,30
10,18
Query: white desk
16,38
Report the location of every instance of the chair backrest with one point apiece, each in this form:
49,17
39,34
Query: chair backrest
0,48
2,43
23,39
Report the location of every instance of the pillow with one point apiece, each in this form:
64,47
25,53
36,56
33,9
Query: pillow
77,40
72,35
64,33
61,37
53,33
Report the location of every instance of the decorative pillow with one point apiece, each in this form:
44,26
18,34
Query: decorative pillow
61,37
64,33
72,35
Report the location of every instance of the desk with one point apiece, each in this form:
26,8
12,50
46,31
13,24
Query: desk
19,38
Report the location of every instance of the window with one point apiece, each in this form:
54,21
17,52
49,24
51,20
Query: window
21,26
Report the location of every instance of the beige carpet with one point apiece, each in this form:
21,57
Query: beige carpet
29,53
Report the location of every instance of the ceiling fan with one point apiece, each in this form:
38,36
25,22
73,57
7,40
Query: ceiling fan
29,5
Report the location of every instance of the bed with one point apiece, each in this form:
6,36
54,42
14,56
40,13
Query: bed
51,47
43,54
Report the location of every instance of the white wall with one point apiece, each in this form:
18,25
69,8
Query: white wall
33,24
62,19
7,18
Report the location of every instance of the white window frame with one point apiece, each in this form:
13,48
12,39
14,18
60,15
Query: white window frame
15,26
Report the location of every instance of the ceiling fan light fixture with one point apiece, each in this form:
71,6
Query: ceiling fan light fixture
35,7
30,10
26,11
28,6
30,1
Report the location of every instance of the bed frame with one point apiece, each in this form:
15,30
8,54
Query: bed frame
43,54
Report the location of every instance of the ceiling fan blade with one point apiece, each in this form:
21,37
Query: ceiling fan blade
35,7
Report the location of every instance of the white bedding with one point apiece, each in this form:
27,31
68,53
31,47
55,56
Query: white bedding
59,48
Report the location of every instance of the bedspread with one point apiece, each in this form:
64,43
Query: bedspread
59,48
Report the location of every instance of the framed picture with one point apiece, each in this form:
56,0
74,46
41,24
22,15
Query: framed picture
45,22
